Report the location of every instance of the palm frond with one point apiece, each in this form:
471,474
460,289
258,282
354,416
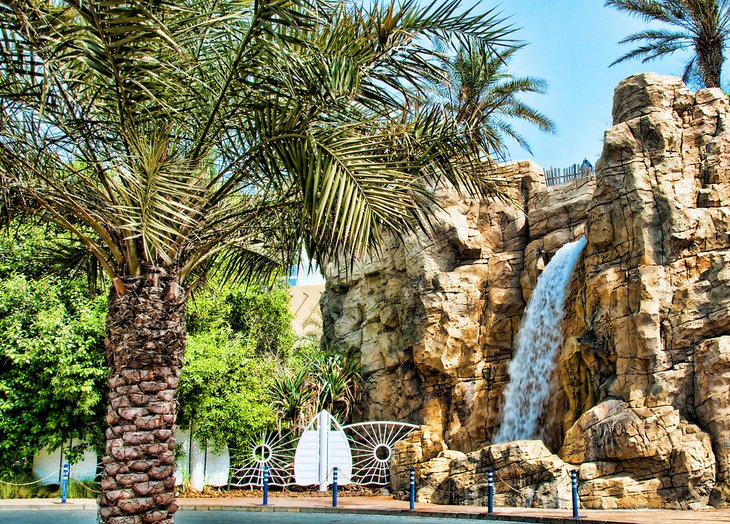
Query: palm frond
703,28
204,134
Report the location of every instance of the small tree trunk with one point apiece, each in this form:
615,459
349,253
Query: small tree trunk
145,346
710,59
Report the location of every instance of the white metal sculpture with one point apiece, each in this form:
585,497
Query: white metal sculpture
361,452
322,447
274,450
372,448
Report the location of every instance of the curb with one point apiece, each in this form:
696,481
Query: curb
90,505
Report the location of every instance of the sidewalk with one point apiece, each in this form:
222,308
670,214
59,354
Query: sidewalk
388,506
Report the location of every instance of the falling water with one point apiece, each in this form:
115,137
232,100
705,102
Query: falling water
538,340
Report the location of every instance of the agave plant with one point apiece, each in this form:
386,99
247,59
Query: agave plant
337,378
177,138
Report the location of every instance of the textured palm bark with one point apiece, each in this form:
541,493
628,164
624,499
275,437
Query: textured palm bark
145,346
710,59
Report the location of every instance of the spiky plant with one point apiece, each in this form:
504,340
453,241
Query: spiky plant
698,26
291,394
337,378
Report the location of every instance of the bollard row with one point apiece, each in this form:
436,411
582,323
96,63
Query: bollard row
490,491
412,490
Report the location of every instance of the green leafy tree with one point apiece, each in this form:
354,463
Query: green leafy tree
224,389
174,137
52,372
237,338
700,26
263,317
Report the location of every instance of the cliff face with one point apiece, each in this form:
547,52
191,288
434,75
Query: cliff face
641,394
434,319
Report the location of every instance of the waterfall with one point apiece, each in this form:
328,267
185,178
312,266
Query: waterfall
539,338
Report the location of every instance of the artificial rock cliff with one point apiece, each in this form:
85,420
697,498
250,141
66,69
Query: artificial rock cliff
641,392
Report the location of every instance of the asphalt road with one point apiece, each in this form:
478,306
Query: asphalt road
223,517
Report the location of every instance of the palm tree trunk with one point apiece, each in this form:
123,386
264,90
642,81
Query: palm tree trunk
145,346
710,60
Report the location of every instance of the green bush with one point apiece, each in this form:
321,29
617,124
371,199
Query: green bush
223,388
237,337
52,371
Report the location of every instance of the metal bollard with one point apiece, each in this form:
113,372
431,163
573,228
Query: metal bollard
574,485
64,482
413,490
334,487
266,485
490,490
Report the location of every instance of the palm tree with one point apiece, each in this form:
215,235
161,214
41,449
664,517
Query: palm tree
484,97
176,138
700,26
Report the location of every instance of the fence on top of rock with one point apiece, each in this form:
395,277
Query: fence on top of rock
556,175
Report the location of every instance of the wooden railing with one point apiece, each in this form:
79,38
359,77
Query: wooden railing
555,175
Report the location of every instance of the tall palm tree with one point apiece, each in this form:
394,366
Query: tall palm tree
484,97
174,138
699,25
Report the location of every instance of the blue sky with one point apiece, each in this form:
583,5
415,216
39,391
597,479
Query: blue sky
571,44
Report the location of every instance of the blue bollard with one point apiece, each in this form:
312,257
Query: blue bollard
266,485
64,482
490,490
413,489
574,485
334,487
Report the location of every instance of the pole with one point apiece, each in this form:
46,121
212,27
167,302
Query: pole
574,486
266,485
490,490
334,487
324,429
413,489
64,482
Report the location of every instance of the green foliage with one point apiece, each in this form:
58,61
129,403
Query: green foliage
697,28
52,372
315,379
256,313
486,98
52,368
236,339
223,387
22,485
263,317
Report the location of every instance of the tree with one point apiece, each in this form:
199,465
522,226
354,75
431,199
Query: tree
699,25
171,138
52,373
485,97
236,340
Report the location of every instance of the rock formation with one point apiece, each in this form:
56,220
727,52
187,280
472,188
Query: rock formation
641,396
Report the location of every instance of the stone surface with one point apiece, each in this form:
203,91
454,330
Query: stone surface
434,319
641,393
526,474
